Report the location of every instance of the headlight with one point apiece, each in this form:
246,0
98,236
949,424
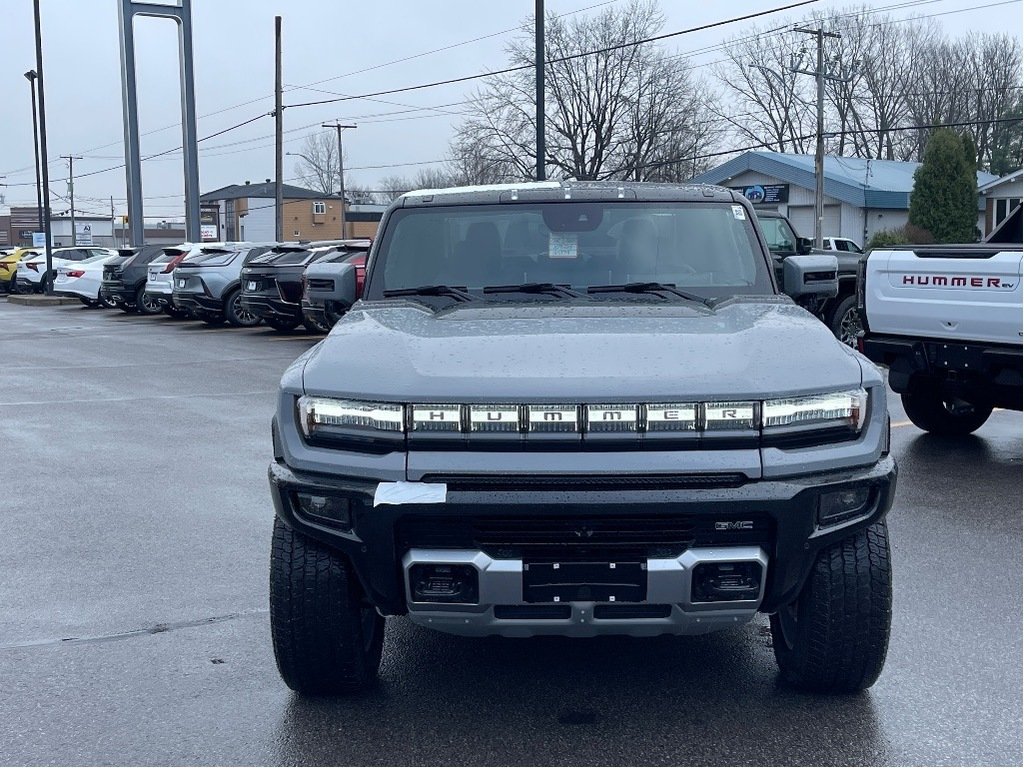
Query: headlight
324,416
836,409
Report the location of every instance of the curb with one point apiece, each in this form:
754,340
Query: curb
29,300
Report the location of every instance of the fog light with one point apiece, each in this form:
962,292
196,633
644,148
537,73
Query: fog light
837,506
333,510
442,583
723,582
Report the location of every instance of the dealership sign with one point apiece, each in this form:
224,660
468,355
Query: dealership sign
83,233
765,194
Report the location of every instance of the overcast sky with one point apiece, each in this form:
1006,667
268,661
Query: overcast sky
325,42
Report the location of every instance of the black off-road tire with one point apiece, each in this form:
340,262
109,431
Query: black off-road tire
236,314
142,306
927,409
834,637
327,638
845,321
282,324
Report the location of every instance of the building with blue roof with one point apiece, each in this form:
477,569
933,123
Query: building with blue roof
862,195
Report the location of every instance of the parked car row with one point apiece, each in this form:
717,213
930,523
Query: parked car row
240,283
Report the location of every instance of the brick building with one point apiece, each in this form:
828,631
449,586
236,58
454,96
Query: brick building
248,212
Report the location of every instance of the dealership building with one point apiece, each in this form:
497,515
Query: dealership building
862,195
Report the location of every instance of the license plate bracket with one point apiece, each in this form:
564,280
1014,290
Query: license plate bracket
599,581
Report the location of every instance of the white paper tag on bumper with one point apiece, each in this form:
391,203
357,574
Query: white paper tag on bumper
404,492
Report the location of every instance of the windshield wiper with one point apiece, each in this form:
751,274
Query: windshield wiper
551,289
649,288
455,292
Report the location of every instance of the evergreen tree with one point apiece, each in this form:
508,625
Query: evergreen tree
945,197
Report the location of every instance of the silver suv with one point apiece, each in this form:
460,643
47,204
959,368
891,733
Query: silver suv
206,284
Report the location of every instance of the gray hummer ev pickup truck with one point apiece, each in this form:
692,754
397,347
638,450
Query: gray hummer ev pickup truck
580,408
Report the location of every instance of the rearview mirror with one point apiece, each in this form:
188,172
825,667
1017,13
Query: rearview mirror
804,245
812,275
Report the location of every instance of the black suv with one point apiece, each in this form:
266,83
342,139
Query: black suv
124,280
272,284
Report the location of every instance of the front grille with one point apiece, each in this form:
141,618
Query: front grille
581,537
320,284
587,482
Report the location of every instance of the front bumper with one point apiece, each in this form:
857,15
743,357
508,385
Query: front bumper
776,518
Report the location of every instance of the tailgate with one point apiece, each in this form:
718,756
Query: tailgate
963,293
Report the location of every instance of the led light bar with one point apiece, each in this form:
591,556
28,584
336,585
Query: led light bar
494,418
612,418
738,415
847,409
436,418
552,418
672,417
322,412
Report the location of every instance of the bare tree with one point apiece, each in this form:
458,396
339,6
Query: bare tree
318,167
770,104
391,187
611,105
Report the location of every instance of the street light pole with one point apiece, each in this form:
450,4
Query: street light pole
31,77
538,43
42,145
339,127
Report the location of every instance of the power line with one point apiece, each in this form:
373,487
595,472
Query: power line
560,59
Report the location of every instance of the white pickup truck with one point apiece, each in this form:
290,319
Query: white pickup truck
946,320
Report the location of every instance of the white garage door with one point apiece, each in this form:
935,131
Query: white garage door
802,219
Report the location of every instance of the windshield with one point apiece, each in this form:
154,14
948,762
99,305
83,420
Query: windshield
778,235
95,258
213,256
709,249
283,258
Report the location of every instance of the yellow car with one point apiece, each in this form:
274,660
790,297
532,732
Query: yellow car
9,265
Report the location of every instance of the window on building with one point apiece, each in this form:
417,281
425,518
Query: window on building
319,207
1000,210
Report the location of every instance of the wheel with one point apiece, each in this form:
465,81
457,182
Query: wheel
282,324
145,305
236,314
845,321
928,410
46,284
327,638
313,325
107,303
90,303
333,313
834,637
172,311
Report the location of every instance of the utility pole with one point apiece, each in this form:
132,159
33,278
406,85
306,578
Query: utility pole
819,150
112,238
42,147
538,56
279,135
71,194
339,127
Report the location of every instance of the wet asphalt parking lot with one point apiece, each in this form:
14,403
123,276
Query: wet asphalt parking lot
134,541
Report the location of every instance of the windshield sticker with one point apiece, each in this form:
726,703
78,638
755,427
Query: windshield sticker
739,213
562,245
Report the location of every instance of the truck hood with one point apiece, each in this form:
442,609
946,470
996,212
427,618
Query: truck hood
580,353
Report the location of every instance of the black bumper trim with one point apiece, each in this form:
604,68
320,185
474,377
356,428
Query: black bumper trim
374,546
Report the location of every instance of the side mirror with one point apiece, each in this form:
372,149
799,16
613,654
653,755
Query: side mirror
811,276
804,245
332,283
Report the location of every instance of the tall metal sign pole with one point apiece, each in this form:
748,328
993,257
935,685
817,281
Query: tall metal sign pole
339,127
42,148
181,12
71,193
278,136
538,21
819,150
